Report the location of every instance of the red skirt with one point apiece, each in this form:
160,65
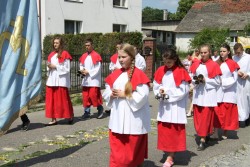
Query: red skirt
171,137
58,103
91,96
226,116
203,120
127,150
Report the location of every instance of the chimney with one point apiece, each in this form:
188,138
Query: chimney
165,14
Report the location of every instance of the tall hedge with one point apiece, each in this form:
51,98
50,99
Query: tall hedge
103,43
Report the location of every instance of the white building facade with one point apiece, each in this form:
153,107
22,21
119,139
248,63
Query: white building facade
89,16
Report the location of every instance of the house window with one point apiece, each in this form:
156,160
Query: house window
74,0
119,28
72,27
120,3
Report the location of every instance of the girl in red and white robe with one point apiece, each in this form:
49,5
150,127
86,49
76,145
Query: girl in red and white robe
226,115
171,83
205,94
58,103
126,93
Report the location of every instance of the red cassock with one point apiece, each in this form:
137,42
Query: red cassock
127,150
58,103
226,116
203,120
171,137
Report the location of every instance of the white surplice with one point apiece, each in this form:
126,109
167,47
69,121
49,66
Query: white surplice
93,79
128,115
227,91
172,110
205,94
61,75
243,87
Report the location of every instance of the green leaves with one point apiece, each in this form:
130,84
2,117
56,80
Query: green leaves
103,43
214,37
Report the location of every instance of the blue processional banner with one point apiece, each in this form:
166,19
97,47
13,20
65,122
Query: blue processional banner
20,59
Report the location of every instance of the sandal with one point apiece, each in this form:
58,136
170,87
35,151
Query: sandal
168,164
51,123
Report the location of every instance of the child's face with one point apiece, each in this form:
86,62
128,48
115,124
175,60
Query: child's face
56,44
224,53
169,62
124,59
205,53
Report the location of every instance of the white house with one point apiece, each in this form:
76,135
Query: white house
89,16
232,14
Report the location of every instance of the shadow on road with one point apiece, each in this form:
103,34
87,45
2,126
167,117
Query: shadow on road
51,156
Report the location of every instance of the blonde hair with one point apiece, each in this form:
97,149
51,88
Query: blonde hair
129,49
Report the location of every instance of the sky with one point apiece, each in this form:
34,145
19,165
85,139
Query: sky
170,5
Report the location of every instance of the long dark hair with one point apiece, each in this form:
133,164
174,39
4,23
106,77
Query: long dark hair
172,55
226,46
61,46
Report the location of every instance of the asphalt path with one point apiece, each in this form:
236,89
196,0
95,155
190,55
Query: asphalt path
85,143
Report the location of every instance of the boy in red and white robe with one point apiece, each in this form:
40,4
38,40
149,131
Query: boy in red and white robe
90,67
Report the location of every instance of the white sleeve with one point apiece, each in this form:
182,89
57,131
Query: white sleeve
106,96
140,63
111,66
63,68
177,93
157,87
228,82
93,72
139,97
212,83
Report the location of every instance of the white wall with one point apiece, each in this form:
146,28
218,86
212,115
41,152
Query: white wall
96,15
183,41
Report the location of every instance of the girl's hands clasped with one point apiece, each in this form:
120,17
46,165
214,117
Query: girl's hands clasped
117,93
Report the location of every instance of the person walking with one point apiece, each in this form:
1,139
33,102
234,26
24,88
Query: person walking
206,80
126,93
243,84
226,114
171,88
90,69
58,103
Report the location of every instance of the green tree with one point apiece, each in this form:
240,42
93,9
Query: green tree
151,14
183,8
214,37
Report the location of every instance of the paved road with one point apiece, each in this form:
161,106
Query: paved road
85,143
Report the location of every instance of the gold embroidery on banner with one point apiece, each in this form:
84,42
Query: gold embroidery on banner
16,41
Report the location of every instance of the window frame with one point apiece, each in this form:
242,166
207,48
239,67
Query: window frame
74,1
77,26
125,2
121,27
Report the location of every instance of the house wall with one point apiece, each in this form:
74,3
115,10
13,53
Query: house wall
96,15
183,41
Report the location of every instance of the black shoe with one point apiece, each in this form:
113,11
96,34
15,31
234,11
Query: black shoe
25,126
100,113
242,124
247,122
85,116
107,111
201,146
71,121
